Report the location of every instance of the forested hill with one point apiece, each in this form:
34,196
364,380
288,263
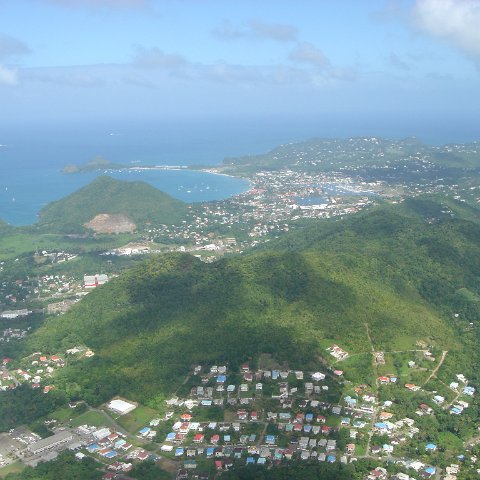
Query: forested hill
137,201
397,270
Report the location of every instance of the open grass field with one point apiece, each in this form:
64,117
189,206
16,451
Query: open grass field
93,418
63,414
13,244
16,467
140,417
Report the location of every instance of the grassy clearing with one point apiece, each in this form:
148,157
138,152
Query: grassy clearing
93,418
63,414
18,243
140,417
16,467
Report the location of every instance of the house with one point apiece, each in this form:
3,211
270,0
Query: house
331,445
429,471
305,455
143,455
270,439
242,414
189,464
430,447
412,387
425,409
378,473
385,415
351,402
318,376
469,391
210,452
237,452
387,448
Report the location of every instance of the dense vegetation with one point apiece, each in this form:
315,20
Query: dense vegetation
402,270
304,471
139,201
24,405
65,466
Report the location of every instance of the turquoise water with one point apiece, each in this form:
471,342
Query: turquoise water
32,156
23,196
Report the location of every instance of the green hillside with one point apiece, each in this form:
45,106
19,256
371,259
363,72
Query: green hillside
348,154
400,270
138,201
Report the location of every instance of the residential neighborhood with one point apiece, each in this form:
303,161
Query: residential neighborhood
252,416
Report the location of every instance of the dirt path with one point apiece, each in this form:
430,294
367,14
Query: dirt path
434,372
375,371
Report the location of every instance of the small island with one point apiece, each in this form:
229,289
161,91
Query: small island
96,163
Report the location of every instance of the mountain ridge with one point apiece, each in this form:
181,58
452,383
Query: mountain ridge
390,269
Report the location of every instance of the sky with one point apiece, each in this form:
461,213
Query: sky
136,60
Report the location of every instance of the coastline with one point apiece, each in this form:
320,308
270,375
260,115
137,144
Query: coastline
33,190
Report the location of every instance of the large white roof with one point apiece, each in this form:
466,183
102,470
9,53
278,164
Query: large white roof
121,406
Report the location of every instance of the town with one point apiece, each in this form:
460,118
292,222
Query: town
265,415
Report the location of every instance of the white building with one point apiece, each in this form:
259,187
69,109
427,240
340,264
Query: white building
10,314
121,406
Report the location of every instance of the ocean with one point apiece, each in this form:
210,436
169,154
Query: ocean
32,156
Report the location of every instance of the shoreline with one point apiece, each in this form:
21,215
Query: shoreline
73,182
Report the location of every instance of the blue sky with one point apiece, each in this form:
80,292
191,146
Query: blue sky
76,60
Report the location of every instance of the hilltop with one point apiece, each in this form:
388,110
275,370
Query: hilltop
108,205
385,279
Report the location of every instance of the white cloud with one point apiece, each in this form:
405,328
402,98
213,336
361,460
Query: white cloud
308,53
85,76
8,76
157,58
160,63
455,21
256,29
10,46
